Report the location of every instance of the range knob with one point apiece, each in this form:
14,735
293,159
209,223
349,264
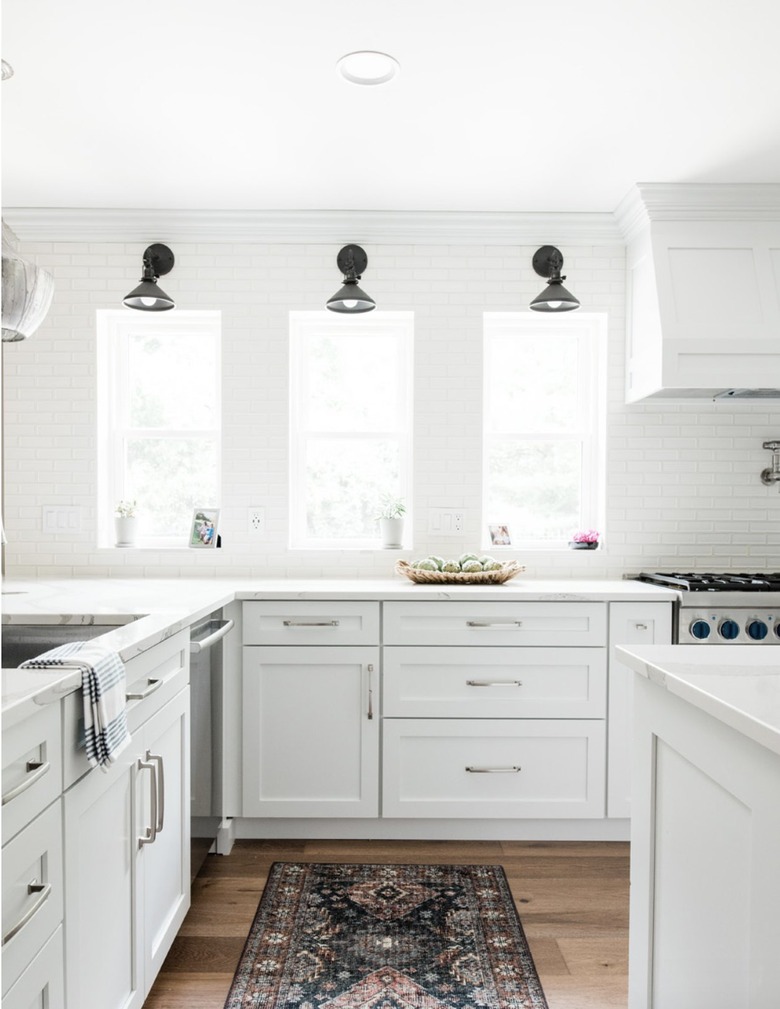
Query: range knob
757,630
729,629
700,630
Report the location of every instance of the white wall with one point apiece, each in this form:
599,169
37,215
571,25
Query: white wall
683,487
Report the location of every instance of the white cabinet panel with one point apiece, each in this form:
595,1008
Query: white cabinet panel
294,622
32,768
443,682
493,768
41,986
493,623
311,731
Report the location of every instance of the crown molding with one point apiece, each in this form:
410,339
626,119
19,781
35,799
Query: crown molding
311,227
649,202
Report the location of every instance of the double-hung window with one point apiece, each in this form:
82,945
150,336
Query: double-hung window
159,420
544,416
350,424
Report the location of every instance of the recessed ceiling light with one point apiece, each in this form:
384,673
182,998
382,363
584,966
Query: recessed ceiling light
368,67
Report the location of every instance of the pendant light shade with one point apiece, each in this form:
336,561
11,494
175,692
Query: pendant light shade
148,297
351,299
548,262
27,294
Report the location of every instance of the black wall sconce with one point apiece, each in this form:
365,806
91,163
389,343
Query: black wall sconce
548,262
352,261
148,297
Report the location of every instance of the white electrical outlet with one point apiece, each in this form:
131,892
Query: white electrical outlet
256,521
445,521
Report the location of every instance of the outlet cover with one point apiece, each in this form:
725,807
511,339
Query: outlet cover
61,519
256,520
446,521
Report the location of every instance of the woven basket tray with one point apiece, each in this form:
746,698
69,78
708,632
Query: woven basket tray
502,574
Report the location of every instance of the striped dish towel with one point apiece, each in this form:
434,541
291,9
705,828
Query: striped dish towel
103,691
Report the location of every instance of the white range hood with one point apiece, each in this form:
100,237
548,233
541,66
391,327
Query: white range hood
703,286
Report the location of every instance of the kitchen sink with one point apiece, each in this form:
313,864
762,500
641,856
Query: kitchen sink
21,642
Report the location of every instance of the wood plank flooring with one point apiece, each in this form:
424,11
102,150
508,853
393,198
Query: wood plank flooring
572,898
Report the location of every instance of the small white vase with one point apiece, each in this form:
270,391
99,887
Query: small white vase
392,533
126,530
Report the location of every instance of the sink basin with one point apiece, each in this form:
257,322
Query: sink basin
26,641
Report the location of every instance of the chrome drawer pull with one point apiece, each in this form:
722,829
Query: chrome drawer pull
493,770
160,789
310,623
370,713
43,891
494,683
494,623
35,771
153,685
641,627
150,834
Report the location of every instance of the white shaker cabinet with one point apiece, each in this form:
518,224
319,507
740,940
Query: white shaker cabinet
629,624
127,848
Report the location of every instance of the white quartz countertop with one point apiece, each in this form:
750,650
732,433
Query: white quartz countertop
153,609
737,684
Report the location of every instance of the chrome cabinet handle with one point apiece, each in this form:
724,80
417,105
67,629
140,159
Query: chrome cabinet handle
153,685
493,770
310,623
370,692
35,770
200,646
494,683
494,623
43,891
160,788
641,627
150,834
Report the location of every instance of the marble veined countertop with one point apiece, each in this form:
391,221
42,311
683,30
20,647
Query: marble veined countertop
153,609
737,684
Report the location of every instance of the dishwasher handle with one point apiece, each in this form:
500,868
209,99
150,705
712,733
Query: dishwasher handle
200,645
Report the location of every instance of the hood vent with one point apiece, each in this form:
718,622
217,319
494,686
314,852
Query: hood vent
748,394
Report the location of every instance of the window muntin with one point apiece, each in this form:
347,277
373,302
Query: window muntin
350,424
543,426
159,409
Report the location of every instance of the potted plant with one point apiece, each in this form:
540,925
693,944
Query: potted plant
125,523
391,523
587,539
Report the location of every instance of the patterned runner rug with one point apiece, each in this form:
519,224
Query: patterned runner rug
332,936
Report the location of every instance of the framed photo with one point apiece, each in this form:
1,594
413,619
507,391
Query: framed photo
203,531
499,536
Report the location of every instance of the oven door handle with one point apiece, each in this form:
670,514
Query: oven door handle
200,646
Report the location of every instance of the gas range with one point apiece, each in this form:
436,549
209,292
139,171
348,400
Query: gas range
722,609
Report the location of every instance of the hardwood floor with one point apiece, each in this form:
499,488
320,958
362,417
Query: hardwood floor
572,898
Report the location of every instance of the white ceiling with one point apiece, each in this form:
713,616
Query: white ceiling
502,105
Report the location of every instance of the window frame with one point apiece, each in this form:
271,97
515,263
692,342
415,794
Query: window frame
114,329
303,325
591,331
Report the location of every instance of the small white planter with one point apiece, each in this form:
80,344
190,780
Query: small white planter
126,530
392,533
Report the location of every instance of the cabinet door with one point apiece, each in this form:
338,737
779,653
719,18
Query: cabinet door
102,940
629,624
165,864
41,986
311,731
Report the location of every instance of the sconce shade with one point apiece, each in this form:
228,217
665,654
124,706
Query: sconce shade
351,299
148,297
27,294
547,262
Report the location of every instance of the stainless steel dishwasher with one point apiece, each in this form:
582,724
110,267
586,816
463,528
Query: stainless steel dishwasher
206,680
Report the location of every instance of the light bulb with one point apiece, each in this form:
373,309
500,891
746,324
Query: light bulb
148,302
554,304
349,304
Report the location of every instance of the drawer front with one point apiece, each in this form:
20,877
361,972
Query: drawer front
32,768
491,623
32,891
494,682
499,768
42,985
329,622
158,674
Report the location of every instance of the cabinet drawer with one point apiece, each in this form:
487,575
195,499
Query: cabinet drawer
32,891
497,768
492,623
494,682
32,768
43,983
311,623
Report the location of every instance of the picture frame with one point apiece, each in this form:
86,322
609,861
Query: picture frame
500,536
203,528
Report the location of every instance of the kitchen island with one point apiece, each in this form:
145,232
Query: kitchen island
705,828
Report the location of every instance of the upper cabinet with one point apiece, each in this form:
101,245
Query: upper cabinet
703,287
